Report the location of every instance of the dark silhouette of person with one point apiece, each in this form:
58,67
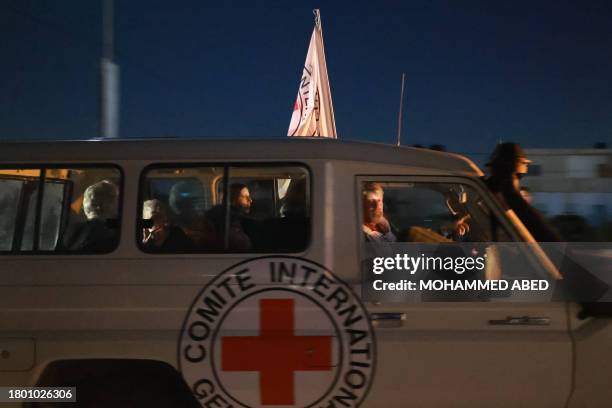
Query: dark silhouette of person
508,164
240,207
526,193
292,229
187,202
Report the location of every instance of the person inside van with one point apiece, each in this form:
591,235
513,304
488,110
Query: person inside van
159,235
295,200
458,229
240,207
240,198
376,227
186,200
290,231
100,231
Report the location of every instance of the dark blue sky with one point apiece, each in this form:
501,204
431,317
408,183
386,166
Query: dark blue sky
539,73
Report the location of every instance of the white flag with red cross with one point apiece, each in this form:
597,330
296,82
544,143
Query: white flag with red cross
313,112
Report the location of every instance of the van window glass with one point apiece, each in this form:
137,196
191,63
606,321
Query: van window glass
10,191
78,211
17,188
51,215
225,208
27,237
427,212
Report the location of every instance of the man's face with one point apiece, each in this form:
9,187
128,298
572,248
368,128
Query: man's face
526,195
522,166
244,201
373,209
158,215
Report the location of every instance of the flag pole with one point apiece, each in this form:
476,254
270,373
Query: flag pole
317,14
401,109
319,26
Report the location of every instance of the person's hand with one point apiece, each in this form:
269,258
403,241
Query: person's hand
458,228
383,226
375,235
462,228
147,235
155,234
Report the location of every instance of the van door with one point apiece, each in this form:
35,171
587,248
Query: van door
491,351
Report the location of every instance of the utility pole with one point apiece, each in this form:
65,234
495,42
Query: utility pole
401,111
109,77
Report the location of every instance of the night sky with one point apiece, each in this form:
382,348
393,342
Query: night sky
539,73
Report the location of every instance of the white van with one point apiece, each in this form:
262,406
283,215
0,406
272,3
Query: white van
109,248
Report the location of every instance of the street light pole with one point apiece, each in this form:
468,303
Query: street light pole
109,77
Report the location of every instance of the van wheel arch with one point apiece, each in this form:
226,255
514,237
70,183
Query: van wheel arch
117,383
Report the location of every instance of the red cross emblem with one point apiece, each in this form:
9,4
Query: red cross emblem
276,353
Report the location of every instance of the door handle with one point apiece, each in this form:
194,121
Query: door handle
521,321
387,316
387,319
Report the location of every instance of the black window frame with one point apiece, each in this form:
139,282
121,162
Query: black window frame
43,167
225,165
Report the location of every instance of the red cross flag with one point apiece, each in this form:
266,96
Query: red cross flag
313,112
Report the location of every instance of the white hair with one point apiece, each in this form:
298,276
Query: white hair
151,206
100,200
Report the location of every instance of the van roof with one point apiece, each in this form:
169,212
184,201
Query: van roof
293,149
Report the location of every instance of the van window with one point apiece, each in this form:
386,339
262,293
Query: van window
17,191
225,208
65,209
426,212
